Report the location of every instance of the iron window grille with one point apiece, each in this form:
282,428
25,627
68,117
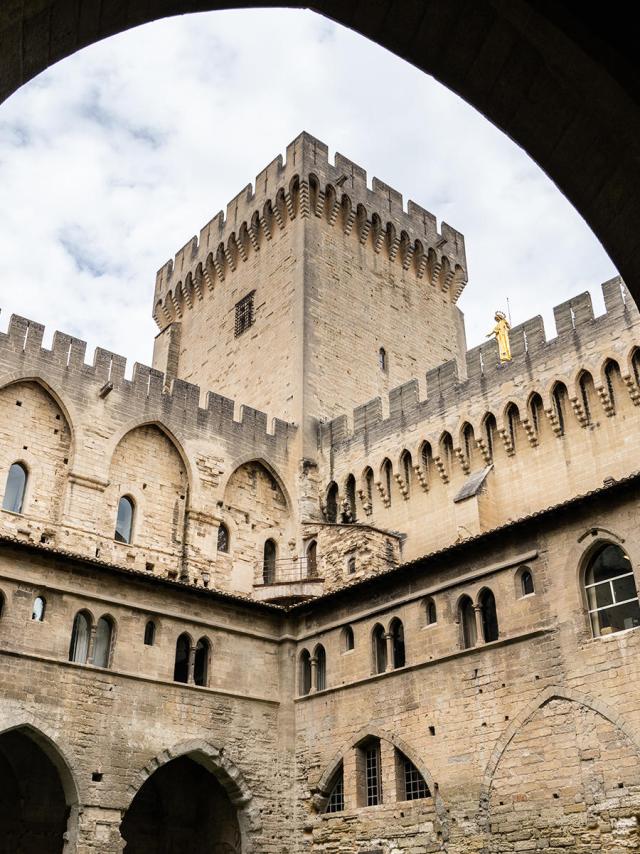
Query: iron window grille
414,783
372,769
244,314
336,798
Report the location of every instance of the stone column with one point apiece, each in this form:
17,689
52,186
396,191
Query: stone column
314,675
192,664
479,630
92,643
99,831
389,641
389,772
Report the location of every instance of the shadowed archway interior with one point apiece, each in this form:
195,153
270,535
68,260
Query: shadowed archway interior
181,808
33,809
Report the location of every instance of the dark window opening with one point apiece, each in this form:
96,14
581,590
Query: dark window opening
526,580
348,638
336,798
379,649
244,314
397,639
382,359
332,503
223,538
304,678
150,633
321,667
467,619
181,667
201,663
431,613
269,562
489,616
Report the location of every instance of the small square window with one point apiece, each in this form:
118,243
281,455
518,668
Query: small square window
244,314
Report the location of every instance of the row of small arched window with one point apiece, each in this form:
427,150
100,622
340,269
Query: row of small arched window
346,511
610,596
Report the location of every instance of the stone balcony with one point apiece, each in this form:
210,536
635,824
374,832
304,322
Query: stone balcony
287,581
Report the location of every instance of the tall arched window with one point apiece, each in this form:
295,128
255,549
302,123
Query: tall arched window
304,673
379,649
612,596
635,364
124,520
512,416
150,633
351,496
487,602
223,538
332,502
387,473
560,405
467,619
536,408
469,442
446,452
321,667
39,607
396,629
382,359
269,562
181,666
15,488
201,662
407,470
426,456
368,482
613,381
587,393
312,559
348,641
526,582
80,634
430,613
102,642
489,427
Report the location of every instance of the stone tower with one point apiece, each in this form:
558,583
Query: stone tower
313,294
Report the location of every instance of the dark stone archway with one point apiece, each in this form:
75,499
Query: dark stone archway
180,808
33,807
560,78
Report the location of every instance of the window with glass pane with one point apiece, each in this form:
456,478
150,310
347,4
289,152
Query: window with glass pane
124,522
372,771
611,591
79,646
336,798
15,488
415,785
102,647
37,612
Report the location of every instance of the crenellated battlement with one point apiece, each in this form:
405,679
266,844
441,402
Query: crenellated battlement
145,396
306,184
451,400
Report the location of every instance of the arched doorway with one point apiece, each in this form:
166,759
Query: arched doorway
181,807
34,810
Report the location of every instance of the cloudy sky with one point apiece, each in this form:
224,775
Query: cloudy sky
111,160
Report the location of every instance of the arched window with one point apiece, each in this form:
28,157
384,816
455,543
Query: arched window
304,673
526,582
635,364
332,502
312,559
536,408
80,634
15,488
490,426
407,470
610,587
335,803
351,564
369,768
469,442
587,393
446,451
223,538
269,562
560,405
348,641
382,359
396,629
124,521
39,607
512,416
430,613
102,642
351,497
613,380
321,667
181,666
368,482
467,619
411,783
387,473
150,633
487,604
426,456
379,649
201,662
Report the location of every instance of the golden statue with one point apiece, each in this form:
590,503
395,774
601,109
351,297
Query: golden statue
501,333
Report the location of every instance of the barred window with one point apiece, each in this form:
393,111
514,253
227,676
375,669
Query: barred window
415,785
244,314
372,774
336,798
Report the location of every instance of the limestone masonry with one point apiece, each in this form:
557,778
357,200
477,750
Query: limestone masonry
322,579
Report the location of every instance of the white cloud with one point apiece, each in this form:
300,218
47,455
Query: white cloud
112,159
